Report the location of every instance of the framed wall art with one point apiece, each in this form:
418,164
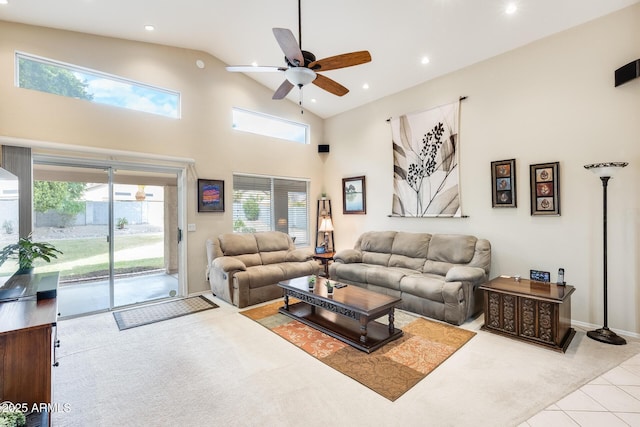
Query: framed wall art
210,195
503,184
354,198
545,188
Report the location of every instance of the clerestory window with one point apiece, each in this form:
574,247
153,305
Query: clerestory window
48,75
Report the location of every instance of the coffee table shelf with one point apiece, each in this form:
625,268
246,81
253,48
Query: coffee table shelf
349,315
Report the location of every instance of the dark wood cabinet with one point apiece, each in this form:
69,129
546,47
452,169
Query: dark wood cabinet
536,312
28,343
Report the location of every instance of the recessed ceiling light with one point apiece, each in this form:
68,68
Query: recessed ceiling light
365,86
424,60
511,9
254,64
313,100
4,1
149,27
200,63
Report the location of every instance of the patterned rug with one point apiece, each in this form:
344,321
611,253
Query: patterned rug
389,371
127,319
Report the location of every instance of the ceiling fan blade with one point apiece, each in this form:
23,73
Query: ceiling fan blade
330,85
283,90
289,46
341,61
253,69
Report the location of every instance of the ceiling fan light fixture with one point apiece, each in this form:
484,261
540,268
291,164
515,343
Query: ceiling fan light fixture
300,76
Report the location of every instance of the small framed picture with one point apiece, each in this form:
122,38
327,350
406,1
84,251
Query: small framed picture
354,197
503,184
210,195
545,189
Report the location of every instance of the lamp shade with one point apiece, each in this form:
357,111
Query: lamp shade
326,225
604,170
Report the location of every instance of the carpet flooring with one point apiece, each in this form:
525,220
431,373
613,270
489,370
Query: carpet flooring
389,371
220,368
134,317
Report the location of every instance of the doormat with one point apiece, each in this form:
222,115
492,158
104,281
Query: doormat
389,371
132,318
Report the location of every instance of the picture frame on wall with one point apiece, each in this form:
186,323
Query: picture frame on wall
210,195
503,184
354,197
545,188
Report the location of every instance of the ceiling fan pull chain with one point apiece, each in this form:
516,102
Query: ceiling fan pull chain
300,102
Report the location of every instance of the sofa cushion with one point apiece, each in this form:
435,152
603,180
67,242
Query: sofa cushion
250,260
406,262
437,267
299,255
427,286
238,244
260,275
377,241
351,272
269,241
386,277
273,257
298,269
452,248
413,245
376,258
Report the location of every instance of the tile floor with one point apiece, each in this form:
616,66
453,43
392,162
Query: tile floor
611,400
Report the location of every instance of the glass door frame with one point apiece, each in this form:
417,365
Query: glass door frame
110,167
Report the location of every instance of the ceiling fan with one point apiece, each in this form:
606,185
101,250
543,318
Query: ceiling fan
302,67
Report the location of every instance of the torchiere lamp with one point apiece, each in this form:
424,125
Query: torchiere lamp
605,171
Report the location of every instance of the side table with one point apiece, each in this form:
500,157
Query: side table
325,259
535,312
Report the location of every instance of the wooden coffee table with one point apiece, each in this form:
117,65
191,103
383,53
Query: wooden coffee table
349,315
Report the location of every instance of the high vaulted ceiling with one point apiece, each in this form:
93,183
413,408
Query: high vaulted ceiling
452,34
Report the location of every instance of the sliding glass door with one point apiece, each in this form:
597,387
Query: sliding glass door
117,226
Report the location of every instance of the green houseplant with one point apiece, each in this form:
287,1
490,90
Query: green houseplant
26,251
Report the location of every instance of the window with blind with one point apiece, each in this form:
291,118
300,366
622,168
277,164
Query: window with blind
265,203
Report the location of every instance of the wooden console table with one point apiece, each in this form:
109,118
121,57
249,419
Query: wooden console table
535,312
28,342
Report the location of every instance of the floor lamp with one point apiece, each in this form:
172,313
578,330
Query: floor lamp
605,171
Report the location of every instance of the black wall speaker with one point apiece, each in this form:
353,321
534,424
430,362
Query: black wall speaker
323,148
628,72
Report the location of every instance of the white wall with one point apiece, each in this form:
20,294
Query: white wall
553,100
203,133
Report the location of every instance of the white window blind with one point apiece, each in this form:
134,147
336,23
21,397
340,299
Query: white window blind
267,203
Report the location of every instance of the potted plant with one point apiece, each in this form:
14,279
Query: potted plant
329,286
311,282
121,222
12,417
26,251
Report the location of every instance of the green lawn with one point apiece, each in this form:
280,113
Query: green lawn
89,257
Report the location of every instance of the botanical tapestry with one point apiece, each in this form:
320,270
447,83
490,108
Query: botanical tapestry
425,163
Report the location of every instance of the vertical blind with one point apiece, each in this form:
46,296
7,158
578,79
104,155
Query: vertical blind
265,203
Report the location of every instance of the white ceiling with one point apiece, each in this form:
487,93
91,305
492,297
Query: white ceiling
451,33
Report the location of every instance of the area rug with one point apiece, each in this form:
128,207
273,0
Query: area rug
389,371
127,319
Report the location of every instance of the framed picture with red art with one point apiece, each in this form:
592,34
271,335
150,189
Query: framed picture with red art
545,189
210,195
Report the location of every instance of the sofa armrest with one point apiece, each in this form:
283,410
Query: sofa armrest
348,256
228,264
299,255
465,274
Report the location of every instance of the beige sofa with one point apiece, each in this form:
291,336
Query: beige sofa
245,268
436,275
